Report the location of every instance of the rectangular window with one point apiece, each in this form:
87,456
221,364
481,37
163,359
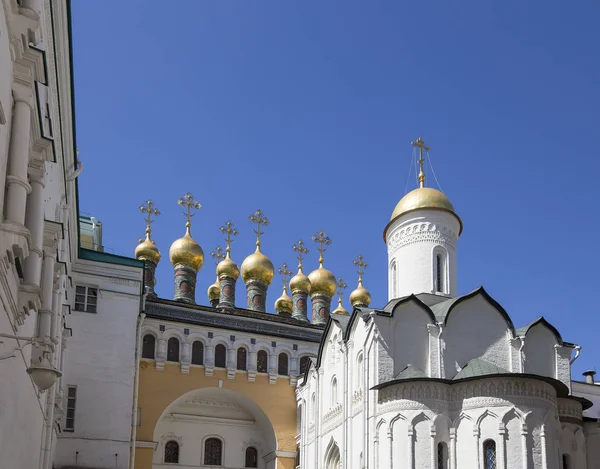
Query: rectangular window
86,299
71,398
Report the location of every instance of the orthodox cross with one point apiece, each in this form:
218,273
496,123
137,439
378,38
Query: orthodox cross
341,286
322,241
258,218
189,203
148,209
230,231
285,274
420,144
218,255
301,250
360,265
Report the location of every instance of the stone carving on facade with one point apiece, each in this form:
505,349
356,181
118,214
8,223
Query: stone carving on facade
421,233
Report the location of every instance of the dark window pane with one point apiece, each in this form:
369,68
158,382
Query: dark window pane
148,346
213,448
173,350
282,367
262,360
220,356
241,358
251,457
80,290
91,308
442,457
71,392
172,452
198,353
70,424
70,413
304,363
489,454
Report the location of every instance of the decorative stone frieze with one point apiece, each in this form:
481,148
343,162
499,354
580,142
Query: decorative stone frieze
421,233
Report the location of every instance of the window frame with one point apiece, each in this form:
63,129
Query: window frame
224,359
266,369
246,456
305,359
492,443
241,366
203,355
178,349
287,364
73,408
86,303
153,348
177,455
219,439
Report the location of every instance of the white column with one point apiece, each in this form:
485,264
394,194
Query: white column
252,361
411,448
476,434
209,359
544,449
524,433
433,450
45,313
34,221
501,449
452,448
18,161
231,359
390,436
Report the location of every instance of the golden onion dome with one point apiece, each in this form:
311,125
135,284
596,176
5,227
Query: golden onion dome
185,251
284,304
257,266
228,268
360,296
147,251
340,309
322,281
214,291
300,282
423,198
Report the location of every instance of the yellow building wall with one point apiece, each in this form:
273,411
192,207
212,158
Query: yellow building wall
158,389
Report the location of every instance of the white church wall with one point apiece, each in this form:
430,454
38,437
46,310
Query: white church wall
592,432
475,329
539,350
6,65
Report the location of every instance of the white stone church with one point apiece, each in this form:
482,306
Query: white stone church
440,381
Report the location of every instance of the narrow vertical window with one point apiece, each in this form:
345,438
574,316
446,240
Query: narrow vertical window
148,346
442,456
282,367
173,350
172,452
71,399
489,454
304,363
197,353
439,270
394,280
262,361
251,457
213,452
220,356
566,461
241,358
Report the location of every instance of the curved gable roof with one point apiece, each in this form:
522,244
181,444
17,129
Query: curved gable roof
411,299
522,331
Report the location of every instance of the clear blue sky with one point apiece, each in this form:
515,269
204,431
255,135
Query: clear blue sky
306,110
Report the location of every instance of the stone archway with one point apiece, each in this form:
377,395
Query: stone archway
215,413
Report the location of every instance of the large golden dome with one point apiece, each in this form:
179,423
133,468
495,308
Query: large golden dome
228,268
300,282
186,251
257,266
322,281
147,251
360,296
423,198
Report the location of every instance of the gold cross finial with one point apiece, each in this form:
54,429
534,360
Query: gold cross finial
189,203
341,286
420,144
218,255
301,250
149,210
258,218
360,265
285,274
230,231
322,241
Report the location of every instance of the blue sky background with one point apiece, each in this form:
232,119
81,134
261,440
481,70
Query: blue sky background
306,110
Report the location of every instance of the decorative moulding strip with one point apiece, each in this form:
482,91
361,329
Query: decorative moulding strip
206,419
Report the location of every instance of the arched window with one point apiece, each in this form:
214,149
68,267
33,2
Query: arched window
148,346
304,364
334,392
251,457
197,353
262,361
282,366
220,356
172,451
359,372
489,454
173,350
566,461
442,456
213,452
241,359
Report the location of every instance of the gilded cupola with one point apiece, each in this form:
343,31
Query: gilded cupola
257,266
147,250
341,286
300,282
284,304
322,281
187,252
360,296
214,290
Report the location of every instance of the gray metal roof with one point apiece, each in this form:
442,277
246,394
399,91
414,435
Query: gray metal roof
409,372
479,367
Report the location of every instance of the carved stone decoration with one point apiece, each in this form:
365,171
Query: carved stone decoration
421,233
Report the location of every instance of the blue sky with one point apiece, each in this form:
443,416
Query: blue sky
306,110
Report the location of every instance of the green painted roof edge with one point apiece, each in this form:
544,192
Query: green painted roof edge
97,256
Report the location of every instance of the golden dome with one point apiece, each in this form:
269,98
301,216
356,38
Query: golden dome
340,310
186,251
228,268
423,198
322,281
147,251
360,296
257,266
300,282
214,291
284,304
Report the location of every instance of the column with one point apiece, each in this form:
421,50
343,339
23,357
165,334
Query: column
185,357
452,448
209,360
544,449
501,449
524,433
433,449
411,448
18,161
34,221
390,436
45,312
477,434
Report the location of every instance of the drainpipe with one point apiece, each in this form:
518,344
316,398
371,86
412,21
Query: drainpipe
136,386
577,352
